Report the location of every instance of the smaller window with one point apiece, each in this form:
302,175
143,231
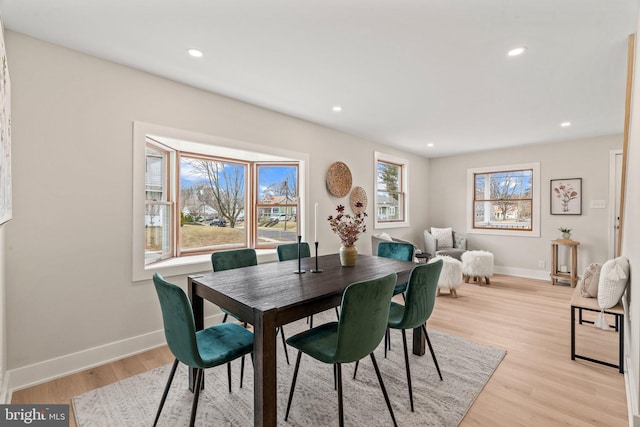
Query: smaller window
158,205
391,197
504,200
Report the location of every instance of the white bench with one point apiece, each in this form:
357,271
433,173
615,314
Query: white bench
591,304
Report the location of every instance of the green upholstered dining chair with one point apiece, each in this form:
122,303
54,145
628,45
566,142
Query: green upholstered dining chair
289,251
418,306
202,349
400,251
363,321
238,258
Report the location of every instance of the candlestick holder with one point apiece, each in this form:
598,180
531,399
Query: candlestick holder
299,270
316,270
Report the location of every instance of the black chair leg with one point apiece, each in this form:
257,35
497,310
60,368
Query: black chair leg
355,370
284,344
384,390
433,354
229,375
406,364
337,313
224,319
241,371
338,368
196,395
166,391
293,384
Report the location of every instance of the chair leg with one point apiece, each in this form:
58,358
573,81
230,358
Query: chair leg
293,384
355,370
166,391
284,344
338,368
433,354
337,313
384,390
406,364
229,375
224,319
196,395
386,342
241,371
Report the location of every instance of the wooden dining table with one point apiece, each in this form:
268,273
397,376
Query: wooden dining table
271,295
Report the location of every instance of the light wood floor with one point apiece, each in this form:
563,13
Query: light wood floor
537,383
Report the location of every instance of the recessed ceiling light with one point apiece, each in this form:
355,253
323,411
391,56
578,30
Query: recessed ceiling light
565,124
517,51
196,53
430,144
337,108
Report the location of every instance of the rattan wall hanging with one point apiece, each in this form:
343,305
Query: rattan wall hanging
358,195
339,179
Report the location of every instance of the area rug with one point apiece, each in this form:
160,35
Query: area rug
466,367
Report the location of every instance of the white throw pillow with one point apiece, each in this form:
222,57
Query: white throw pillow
614,277
384,236
590,281
444,236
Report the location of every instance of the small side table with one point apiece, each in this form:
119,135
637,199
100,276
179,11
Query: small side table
572,274
422,258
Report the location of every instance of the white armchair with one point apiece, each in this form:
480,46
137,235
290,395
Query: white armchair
433,247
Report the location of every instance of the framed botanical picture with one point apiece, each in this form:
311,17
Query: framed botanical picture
566,196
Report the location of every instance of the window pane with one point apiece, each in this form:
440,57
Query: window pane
157,231
506,214
277,205
212,201
503,185
389,196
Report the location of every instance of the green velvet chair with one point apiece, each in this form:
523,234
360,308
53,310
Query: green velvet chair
238,258
363,321
289,251
419,304
400,251
203,349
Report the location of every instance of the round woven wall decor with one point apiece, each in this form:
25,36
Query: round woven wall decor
339,179
358,195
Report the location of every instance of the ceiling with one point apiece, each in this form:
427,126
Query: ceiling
407,73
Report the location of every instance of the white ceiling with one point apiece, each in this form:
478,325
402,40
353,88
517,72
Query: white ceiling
406,72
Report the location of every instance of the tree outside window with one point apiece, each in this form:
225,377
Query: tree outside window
503,200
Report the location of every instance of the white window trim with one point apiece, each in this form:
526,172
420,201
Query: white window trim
535,208
382,157
196,263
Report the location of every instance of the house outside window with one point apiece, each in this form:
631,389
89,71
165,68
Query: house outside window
391,199
192,198
504,200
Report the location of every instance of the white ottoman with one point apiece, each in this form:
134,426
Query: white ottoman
451,274
477,265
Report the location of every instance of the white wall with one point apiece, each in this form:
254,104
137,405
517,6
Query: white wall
72,301
586,158
3,323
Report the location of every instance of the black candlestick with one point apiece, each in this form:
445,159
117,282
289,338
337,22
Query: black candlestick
299,270
316,270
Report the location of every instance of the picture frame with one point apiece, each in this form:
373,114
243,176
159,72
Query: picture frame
566,196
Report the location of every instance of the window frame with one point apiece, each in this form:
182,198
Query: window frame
380,157
535,200
227,148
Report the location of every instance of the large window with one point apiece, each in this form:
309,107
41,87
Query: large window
391,191
505,199
200,197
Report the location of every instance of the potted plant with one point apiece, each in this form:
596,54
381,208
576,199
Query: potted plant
348,228
566,233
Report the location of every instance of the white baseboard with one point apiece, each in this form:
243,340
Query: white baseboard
522,272
41,372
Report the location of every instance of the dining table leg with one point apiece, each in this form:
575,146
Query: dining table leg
418,341
265,379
